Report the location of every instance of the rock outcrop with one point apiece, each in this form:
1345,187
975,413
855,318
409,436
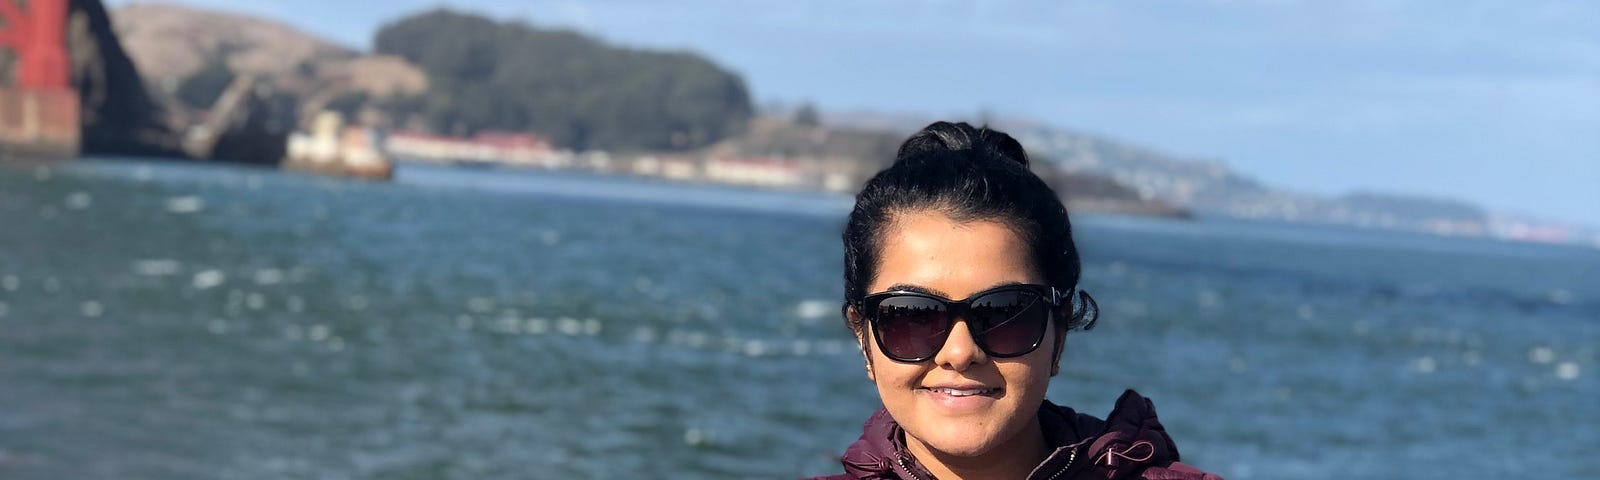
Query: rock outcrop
173,44
119,116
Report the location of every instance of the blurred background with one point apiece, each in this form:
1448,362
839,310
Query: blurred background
550,239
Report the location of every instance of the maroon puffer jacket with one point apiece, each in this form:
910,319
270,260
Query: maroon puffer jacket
1129,444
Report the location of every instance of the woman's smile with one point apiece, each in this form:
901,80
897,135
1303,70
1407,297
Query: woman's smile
961,398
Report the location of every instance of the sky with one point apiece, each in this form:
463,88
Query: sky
1497,102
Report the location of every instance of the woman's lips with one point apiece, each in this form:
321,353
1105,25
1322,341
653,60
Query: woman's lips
961,399
962,392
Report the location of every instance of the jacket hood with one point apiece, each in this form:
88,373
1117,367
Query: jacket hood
1128,443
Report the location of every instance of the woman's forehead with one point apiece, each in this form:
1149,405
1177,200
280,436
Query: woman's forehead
957,258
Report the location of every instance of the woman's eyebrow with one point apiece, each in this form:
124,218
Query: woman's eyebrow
906,287
1006,283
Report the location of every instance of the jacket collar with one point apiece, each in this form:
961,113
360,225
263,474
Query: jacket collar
1130,439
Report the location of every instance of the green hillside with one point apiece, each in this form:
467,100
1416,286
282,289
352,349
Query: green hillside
577,91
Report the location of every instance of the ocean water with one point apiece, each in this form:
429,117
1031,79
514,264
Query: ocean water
174,321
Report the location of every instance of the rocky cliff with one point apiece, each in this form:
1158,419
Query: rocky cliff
174,45
119,115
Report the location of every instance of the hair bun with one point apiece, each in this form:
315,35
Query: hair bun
962,137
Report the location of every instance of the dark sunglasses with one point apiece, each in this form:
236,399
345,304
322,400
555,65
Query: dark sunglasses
1007,321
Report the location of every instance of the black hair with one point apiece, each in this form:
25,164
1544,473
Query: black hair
967,174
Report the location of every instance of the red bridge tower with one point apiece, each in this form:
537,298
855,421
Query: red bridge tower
39,114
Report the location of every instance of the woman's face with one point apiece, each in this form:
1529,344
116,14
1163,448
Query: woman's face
955,260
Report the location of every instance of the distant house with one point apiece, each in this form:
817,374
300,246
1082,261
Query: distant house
756,171
519,149
331,147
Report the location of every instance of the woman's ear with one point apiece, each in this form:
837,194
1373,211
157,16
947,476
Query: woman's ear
860,328
1061,338
867,356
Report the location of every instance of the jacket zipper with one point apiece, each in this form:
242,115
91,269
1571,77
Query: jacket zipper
1070,458
902,460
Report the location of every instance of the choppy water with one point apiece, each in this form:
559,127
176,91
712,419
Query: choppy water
165,321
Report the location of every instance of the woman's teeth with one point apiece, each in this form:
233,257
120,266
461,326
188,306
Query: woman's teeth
962,393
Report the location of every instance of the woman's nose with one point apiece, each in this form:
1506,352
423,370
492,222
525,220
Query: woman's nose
960,349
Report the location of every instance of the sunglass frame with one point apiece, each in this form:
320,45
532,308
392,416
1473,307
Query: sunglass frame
868,307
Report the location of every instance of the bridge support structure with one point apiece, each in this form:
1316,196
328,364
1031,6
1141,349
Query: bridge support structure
39,109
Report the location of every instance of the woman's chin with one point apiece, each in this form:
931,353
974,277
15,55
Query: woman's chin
960,442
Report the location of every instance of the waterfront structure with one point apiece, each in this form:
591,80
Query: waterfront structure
333,148
39,114
507,148
767,172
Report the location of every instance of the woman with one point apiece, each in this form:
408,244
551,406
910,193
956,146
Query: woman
961,284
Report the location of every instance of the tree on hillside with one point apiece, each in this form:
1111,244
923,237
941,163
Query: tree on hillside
348,104
201,89
575,90
807,116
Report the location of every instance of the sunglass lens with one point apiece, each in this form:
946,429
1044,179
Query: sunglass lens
1013,321
912,327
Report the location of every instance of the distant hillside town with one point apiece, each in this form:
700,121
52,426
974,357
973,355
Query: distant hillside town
1214,188
461,89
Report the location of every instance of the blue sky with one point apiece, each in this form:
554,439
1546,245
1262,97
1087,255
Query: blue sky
1493,102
